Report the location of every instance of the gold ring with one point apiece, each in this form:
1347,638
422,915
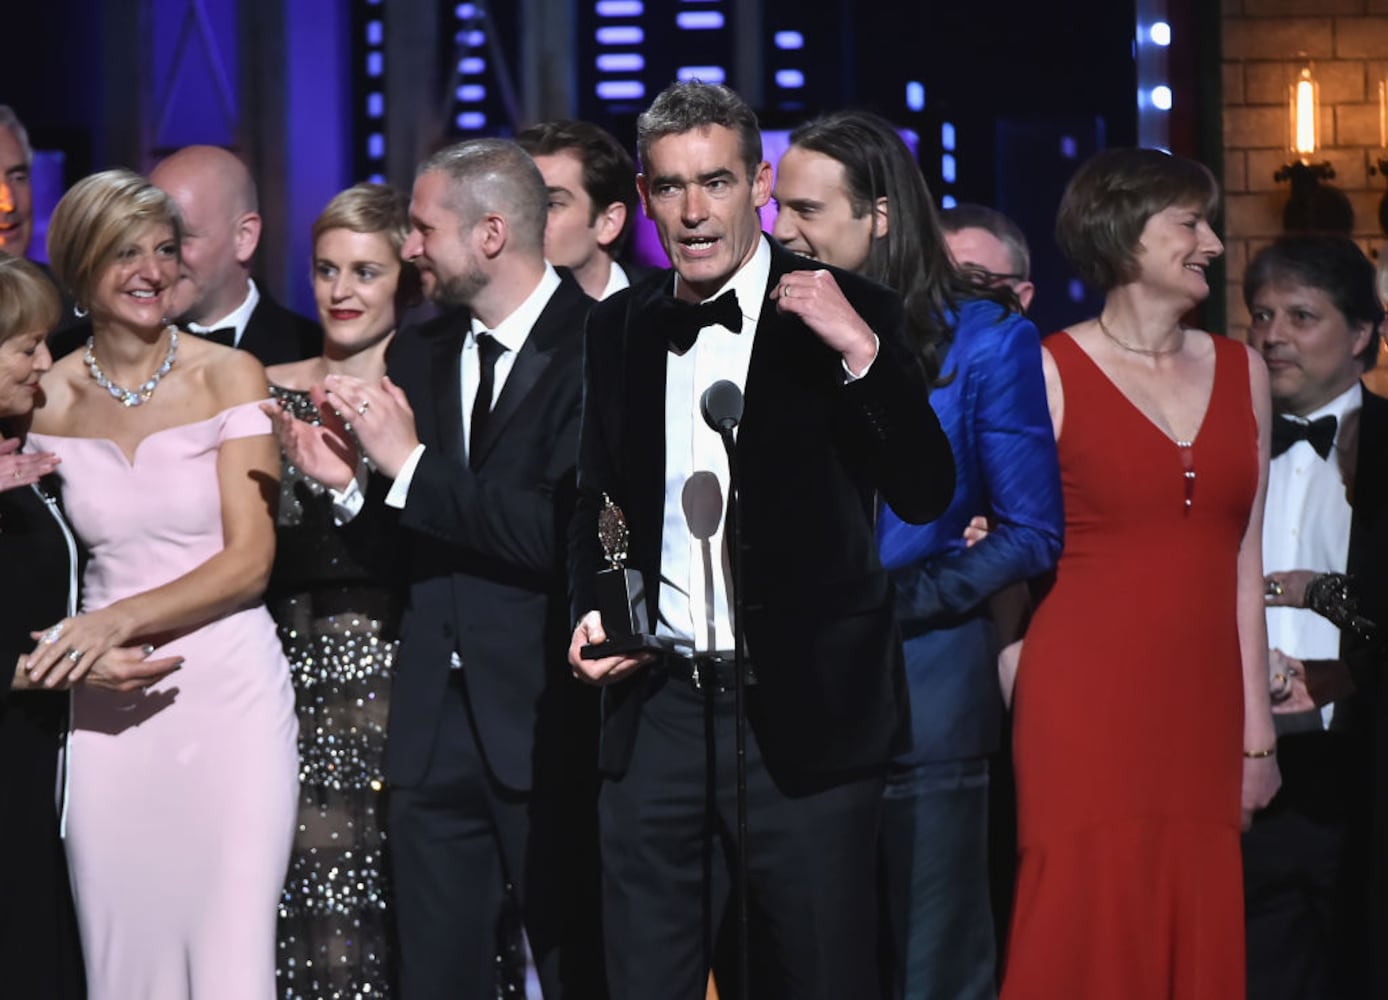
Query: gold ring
1274,588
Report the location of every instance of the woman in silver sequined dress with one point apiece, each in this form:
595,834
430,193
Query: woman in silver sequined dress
337,622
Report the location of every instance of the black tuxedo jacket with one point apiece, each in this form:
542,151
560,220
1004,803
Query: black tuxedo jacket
483,551
277,335
814,452
1361,769
274,334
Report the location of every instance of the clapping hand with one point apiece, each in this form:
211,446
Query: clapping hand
381,419
325,452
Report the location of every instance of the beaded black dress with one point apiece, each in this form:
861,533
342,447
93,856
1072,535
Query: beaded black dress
338,629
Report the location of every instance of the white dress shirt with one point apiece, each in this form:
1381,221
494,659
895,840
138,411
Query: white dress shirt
616,280
237,318
695,576
512,333
1306,526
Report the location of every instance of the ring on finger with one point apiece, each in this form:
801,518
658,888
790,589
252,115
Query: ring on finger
73,655
365,405
1274,588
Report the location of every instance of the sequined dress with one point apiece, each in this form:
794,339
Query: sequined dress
338,628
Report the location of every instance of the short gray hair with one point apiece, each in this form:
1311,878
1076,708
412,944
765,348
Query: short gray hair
684,107
971,216
495,175
10,120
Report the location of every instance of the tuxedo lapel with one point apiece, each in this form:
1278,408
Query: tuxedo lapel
446,385
784,351
559,324
529,365
771,334
642,458
1370,477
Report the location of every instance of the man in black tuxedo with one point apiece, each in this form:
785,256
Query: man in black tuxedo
836,410
215,296
1316,320
474,434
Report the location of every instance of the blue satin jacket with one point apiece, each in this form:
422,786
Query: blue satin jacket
994,413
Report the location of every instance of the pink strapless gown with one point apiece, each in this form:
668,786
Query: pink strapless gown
182,799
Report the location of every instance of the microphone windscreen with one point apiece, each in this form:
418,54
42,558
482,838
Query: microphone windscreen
721,405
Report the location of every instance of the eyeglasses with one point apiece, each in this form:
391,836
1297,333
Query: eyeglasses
982,276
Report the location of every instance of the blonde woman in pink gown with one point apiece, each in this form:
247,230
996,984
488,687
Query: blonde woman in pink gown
182,797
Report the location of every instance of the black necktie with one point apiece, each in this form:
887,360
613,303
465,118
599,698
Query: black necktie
1287,432
683,320
488,350
225,335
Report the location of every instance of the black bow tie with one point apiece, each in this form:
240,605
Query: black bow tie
1287,432
683,320
225,335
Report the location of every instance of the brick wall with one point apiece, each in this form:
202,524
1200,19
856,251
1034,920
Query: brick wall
1347,41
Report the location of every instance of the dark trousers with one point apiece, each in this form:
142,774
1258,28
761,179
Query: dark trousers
1296,891
458,839
935,881
668,829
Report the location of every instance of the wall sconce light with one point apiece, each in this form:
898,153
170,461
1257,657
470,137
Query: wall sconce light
1312,206
1382,159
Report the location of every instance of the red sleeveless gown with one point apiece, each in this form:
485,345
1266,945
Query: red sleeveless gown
1129,706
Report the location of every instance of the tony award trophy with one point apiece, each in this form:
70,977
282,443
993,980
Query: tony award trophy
620,593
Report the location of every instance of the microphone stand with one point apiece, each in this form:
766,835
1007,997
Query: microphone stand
725,423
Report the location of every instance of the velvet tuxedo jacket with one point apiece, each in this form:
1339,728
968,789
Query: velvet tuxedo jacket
814,453
483,552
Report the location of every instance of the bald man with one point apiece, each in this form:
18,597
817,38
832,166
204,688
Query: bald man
215,295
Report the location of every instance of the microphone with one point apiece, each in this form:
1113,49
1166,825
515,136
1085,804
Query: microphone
721,405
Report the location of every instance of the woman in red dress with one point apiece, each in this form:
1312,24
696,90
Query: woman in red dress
1143,732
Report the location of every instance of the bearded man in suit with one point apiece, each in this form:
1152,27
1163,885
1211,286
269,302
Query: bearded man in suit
473,435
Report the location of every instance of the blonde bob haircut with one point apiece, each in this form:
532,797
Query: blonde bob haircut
28,301
373,208
97,217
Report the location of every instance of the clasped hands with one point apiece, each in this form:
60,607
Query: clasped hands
357,417
91,648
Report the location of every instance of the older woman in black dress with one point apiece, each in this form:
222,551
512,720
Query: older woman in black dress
39,955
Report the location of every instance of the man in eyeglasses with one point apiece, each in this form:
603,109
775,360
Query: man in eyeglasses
984,240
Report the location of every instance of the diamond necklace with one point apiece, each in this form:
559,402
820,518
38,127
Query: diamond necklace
142,392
